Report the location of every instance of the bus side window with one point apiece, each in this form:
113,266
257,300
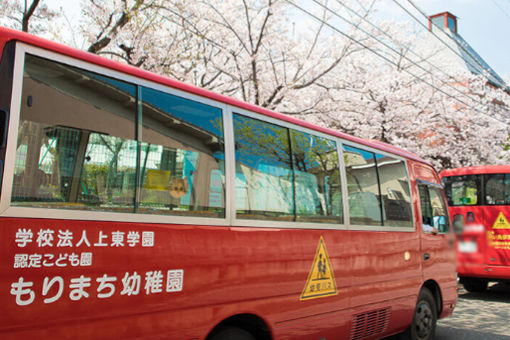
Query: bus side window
78,146
395,192
75,140
316,178
378,188
362,186
284,174
264,177
182,157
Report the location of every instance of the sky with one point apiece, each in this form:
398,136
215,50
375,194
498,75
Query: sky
484,24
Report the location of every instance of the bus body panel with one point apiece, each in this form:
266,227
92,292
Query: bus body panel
229,280
498,239
217,271
482,250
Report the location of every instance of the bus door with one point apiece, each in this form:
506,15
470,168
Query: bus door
497,219
437,242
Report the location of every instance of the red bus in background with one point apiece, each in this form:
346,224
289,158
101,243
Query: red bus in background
136,206
480,196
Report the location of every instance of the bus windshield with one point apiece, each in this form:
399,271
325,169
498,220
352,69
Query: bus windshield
467,190
497,189
463,190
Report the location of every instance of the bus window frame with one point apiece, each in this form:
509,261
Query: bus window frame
228,110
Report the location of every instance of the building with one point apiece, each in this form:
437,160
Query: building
443,27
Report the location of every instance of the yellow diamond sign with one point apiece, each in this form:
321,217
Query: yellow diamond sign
321,280
501,222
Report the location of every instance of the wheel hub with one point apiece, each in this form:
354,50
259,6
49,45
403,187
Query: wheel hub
424,320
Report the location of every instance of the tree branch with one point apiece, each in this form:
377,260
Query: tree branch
28,14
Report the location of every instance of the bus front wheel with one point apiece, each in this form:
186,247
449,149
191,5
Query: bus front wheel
423,326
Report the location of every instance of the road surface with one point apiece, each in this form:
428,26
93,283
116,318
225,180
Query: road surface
479,316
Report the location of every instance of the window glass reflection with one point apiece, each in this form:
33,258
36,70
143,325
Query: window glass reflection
182,156
463,190
76,143
395,192
264,178
433,209
317,178
362,186
77,146
497,189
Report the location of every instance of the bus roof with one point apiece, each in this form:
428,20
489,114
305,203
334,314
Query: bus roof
476,170
7,35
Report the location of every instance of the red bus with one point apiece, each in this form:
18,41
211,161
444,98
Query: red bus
480,196
136,206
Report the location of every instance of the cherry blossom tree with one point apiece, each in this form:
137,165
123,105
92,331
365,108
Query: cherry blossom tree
245,49
328,64
446,115
29,16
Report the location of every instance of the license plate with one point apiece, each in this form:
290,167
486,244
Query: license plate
468,247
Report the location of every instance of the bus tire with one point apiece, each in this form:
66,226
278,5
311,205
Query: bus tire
423,326
232,333
475,285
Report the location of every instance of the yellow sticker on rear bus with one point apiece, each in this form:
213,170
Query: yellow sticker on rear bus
321,280
501,222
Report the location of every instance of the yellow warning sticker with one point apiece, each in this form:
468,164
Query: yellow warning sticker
501,222
321,280
157,179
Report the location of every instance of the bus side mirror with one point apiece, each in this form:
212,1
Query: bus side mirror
458,223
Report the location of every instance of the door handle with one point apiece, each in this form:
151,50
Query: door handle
426,256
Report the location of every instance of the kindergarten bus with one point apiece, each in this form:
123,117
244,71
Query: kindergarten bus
480,197
136,206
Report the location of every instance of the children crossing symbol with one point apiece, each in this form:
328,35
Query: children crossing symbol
321,279
501,222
